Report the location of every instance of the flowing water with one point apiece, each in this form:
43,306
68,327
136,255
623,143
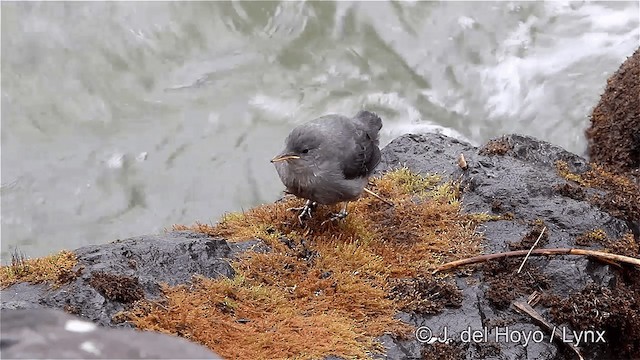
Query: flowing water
123,118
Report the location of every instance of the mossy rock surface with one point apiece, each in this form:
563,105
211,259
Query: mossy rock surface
340,283
614,134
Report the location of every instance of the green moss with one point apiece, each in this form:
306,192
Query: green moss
590,237
448,191
485,217
55,269
410,182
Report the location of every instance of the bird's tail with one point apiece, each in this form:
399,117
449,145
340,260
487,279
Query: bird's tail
370,120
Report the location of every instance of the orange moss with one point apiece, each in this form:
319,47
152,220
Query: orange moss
274,329
322,289
597,176
55,269
622,198
499,146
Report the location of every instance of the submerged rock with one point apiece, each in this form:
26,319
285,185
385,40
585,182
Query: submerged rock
49,333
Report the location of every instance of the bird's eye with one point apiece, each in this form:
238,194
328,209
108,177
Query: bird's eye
305,151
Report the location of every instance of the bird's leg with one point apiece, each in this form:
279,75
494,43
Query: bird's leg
305,211
338,216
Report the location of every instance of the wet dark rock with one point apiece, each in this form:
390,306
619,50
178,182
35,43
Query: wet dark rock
116,274
49,333
513,175
112,277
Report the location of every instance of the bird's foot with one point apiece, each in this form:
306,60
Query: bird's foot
336,216
305,211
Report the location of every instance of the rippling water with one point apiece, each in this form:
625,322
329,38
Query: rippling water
123,118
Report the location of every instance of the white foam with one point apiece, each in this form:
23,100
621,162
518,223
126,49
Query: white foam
116,161
276,107
79,326
89,347
604,18
142,156
515,86
466,22
391,131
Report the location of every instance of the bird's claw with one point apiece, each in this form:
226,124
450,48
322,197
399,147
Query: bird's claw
337,216
305,211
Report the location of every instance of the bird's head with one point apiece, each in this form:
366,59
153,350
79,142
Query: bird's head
301,148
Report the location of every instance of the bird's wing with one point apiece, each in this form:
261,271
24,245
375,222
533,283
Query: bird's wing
362,157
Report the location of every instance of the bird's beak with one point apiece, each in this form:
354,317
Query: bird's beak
284,158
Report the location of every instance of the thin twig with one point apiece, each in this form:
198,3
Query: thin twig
540,252
531,249
540,321
378,196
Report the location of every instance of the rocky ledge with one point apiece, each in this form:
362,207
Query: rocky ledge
257,285
528,189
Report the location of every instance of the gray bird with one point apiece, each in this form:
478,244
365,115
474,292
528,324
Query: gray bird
329,160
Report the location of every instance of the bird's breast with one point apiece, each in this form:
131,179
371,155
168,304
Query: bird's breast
297,180
322,184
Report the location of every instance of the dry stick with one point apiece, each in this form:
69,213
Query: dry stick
609,262
534,298
378,196
530,250
538,319
539,252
